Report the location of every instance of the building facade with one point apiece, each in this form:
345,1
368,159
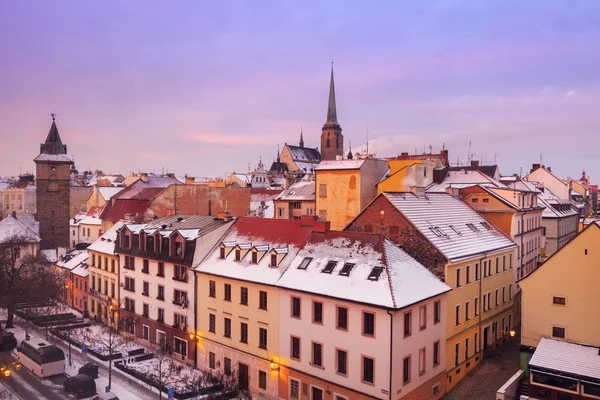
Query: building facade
296,201
53,178
20,196
464,250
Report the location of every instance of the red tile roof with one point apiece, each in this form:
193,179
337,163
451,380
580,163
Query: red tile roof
116,210
268,231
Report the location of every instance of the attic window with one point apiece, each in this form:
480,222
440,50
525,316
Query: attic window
475,200
346,269
375,272
455,229
472,227
238,255
222,255
486,225
305,262
437,231
255,257
486,200
273,260
329,267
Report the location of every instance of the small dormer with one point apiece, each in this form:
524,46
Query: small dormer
277,255
142,240
149,242
258,252
126,238
225,248
176,245
241,250
157,242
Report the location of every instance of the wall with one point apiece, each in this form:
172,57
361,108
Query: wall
343,200
53,206
555,185
19,200
569,273
78,197
103,270
370,174
406,174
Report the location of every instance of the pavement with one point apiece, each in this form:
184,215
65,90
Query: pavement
489,376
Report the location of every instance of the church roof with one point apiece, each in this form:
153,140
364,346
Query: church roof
331,108
53,144
304,154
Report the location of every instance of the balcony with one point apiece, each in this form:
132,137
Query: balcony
182,278
181,302
181,327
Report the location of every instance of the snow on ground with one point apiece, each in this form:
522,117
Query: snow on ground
174,374
93,337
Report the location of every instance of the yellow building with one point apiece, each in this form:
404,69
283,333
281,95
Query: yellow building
297,200
460,247
103,274
237,325
345,187
407,175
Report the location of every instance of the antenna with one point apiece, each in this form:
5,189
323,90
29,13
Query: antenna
469,153
541,159
367,128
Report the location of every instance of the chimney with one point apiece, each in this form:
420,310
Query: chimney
179,219
475,163
322,226
144,177
404,154
128,217
14,214
419,191
308,220
189,180
171,175
549,169
535,167
224,216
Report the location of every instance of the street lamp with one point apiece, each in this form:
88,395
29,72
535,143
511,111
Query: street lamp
273,365
512,333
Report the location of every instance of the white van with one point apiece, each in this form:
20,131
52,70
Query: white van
41,358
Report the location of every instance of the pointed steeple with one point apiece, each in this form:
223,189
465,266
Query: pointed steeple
278,158
350,151
301,139
53,143
331,109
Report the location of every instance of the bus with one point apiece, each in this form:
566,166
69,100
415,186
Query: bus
41,358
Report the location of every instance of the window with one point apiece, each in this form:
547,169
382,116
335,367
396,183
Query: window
457,315
368,373
436,353
180,298
467,274
161,315
407,324
323,215
146,332
466,348
212,289
145,290
243,332
262,304
254,257
212,323
161,292
406,370
497,265
561,301
476,342
456,354
273,260
227,292
295,307
211,360
503,263
342,318
112,266
558,332
129,284
145,266
346,269
329,267
317,312
422,361
368,324
304,264
467,317
129,263
112,290
238,254
504,294
322,190
375,272
476,311
295,348
475,200
341,357
423,317
436,312
244,296
262,338
317,350
180,346
145,308
180,273
496,297
262,380
457,277
294,389
227,328
472,227
227,366
477,272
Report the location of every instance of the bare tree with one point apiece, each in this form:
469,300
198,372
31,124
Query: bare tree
25,277
165,370
109,339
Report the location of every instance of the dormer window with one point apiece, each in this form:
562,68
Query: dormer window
254,257
222,252
273,260
150,243
238,255
177,245
126,239
142,240
226,248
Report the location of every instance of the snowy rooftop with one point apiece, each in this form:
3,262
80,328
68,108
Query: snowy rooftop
463,178
276,233
50,255
360,267
340,164
106,243
73,259
53,157
14,226
451,225
303,190
108,192
81,270
308,167
568,358
304,154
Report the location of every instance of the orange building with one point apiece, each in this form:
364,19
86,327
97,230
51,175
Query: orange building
74,266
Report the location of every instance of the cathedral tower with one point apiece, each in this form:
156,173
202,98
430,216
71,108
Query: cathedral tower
52,192
332,140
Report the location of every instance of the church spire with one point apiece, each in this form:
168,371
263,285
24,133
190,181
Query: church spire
331,109
350,151
53,143
301,139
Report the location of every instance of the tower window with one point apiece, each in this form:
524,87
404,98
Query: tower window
328,143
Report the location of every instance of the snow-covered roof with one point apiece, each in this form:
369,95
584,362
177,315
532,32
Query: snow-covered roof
72,259
81,270
308,167
463,178
106,243
567,358
53,157
50,255
302,190
340,164
14,226
277,233
450,224
108,192
88,220
303,154
400,282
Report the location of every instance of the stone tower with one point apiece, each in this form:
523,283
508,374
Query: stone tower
52,192
332,140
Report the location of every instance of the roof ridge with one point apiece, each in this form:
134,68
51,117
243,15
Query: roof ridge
387,269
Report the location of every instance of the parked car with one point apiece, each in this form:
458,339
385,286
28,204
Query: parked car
90,369
105,396
7,340
80,385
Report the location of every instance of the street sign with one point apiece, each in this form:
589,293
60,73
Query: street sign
84,349
171,393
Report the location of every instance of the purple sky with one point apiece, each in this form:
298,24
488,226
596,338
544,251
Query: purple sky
205,88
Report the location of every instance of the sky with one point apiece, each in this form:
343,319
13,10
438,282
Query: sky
205,88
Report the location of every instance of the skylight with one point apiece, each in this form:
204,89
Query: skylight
472,227
375,272
345,271
329,267
305,262
486,225
455,229
437,231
